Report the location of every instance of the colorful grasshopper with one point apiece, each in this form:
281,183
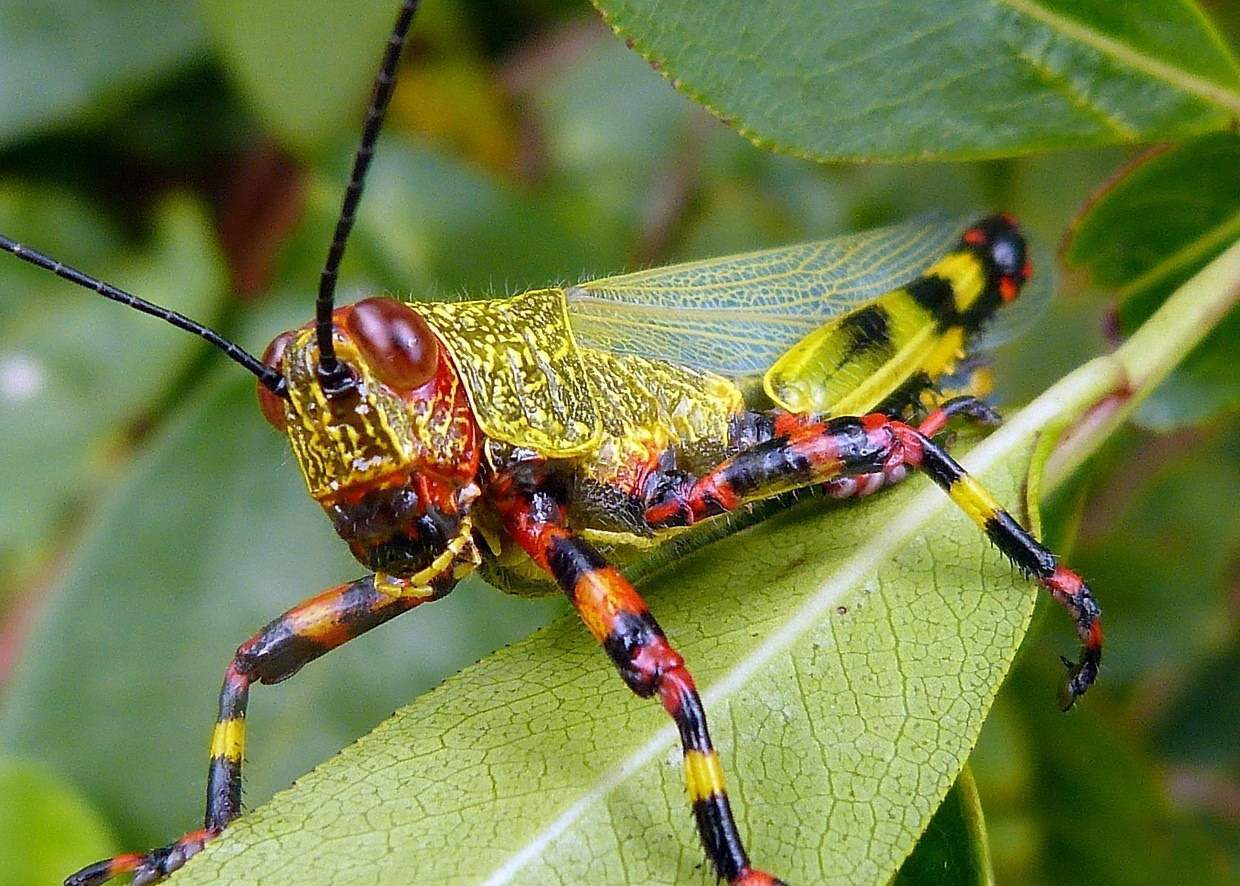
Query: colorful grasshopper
546,438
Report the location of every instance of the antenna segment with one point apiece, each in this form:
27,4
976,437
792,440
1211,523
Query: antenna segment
270,378
334,376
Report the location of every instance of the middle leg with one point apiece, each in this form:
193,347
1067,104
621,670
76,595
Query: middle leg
619,619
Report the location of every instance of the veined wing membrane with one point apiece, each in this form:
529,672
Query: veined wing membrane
736,315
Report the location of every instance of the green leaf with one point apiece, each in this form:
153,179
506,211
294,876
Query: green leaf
45,828
950,79
1158,224
59,58
1161,220
303,65
954,847
847,660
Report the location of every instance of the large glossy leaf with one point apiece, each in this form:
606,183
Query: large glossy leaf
946,78
1150,230
847,660
59,57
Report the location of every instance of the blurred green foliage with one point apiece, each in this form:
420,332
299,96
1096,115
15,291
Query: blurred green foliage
178,151
46,827
1149,232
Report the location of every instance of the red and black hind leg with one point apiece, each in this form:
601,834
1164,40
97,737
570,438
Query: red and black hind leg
876,450
275,653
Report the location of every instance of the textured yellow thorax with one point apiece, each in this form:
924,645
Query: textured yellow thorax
522,370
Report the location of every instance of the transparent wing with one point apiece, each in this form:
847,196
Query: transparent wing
736,315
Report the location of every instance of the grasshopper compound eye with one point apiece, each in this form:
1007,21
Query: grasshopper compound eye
272,405
396,342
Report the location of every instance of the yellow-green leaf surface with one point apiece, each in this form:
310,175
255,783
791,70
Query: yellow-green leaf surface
940,78
847,656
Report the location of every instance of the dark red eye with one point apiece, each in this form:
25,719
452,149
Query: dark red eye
271,405
399,346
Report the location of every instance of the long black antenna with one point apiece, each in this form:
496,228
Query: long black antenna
270,378
333,375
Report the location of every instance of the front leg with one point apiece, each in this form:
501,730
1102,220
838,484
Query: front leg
617,616
275,653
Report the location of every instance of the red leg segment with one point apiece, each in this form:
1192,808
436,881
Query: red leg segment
619,619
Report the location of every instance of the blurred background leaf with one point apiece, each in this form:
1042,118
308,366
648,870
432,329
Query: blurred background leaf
73,378
1155,226
534,148
954,848
46,828
67,60
304,66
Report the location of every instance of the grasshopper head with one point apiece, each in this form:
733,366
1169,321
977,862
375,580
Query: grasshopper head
390,443
401,411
